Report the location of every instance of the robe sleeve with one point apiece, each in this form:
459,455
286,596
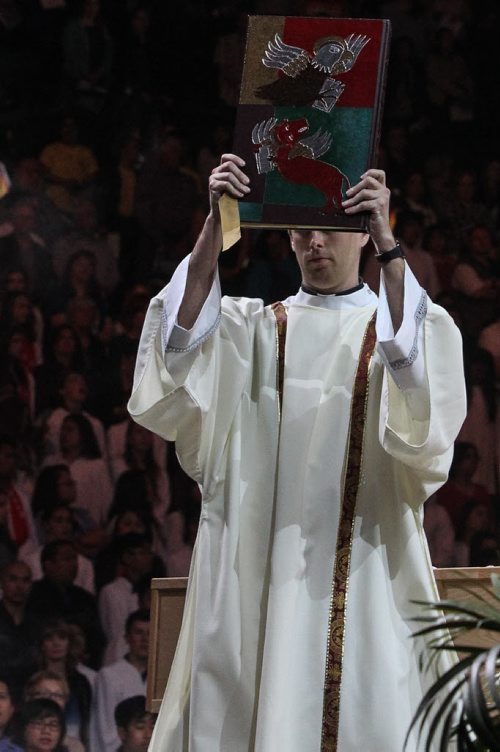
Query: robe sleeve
423,401
188,384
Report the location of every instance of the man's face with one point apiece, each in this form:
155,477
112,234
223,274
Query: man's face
74,388
138,561
62,568
327,258
16,583
480,242
137,735
60,524
138,639
6,707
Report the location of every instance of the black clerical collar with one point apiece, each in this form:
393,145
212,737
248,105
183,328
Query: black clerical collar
357,287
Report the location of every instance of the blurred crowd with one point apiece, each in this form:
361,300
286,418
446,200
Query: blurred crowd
112,115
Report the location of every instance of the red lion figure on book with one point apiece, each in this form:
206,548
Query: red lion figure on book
284,145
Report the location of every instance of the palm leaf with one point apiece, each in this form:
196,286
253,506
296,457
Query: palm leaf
447,729
432,693
463,705
476,706
480,610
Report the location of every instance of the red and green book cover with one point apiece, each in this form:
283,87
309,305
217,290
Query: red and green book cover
308,120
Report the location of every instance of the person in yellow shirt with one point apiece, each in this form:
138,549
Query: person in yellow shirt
70,167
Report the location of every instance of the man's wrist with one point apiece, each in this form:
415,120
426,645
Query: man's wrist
383,257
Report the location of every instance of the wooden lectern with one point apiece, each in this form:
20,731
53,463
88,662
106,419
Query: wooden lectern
167,606
467,584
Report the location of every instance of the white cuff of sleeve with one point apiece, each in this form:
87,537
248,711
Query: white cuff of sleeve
403,353
174,337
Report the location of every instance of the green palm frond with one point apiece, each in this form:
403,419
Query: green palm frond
462,707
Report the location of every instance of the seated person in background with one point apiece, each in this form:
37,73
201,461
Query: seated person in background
132,517
15,280
140,455
122,679
475,518
73,396
480,426
56,596
62,356
17,389
87,235
6,712
440,534
69,166
79,450
57,522
40,727
55,485
484,550
17,653
436,242
134,492
79,282
80,654
52,686
18,312
55,650
134,723
118,599
23,248
460,488
8,549
476,279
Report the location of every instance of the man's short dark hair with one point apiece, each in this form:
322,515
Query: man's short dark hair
142,614
130,710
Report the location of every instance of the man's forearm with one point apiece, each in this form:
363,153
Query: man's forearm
201,271
393,273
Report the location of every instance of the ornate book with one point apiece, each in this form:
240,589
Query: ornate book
308,120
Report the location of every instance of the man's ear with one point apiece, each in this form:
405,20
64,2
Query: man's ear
290,238
364,239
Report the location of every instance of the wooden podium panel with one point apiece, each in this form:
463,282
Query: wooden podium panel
467,584
167,606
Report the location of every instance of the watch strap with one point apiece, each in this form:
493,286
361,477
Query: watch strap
385,256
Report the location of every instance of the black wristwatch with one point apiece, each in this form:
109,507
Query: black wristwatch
385,256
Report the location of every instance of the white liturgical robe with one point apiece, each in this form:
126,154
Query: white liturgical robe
255,668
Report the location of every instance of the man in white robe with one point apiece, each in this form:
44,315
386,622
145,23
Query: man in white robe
314,452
